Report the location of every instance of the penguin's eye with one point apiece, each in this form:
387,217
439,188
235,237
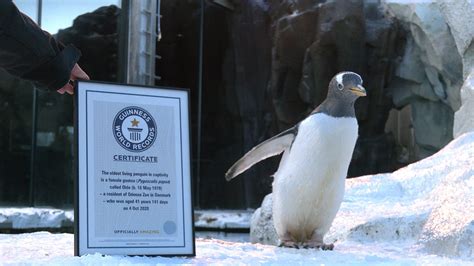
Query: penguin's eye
339,86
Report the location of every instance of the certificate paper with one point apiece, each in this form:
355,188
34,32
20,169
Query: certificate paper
134,184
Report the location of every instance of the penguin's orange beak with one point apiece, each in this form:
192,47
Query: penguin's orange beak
359,90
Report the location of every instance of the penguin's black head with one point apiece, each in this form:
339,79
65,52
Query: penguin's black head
344,89
346,86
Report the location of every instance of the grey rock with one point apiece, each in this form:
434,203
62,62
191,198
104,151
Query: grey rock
411,68
291,38
405,91
261,224
458,16
249,65
270,64
434,121
438,87
469,60
436,48
432,33
311,45
464,118
438,54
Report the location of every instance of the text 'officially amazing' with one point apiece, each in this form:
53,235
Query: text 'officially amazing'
135,158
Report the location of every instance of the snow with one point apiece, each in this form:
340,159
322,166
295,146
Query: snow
43,248
428,203
402,204
421,214
23,218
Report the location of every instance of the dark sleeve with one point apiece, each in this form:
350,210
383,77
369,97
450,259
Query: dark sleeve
30,53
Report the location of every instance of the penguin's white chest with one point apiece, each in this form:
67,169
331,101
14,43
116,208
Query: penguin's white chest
309,184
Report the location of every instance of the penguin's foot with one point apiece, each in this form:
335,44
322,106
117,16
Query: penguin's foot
318,245
288,244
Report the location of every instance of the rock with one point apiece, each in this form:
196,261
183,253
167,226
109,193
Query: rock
457,15
261,224
436,48
438,53
411,68
463,118
247,89
376,154
436,84
311,45
434,122
270,64
406,91
276,59
292,37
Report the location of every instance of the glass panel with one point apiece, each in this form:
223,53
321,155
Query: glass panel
54,150
15,130
96,36
15,140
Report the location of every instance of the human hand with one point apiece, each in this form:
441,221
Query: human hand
76,73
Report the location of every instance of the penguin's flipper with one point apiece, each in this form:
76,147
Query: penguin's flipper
268,148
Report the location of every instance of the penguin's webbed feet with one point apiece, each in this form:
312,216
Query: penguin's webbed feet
288,244
318,245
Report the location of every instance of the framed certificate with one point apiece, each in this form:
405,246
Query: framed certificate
133,184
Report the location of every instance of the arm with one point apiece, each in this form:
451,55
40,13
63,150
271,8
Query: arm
30,53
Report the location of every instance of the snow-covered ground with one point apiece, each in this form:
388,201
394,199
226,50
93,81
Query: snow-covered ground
420,215
57,249
430,202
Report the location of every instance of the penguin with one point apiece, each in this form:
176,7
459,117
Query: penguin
308,186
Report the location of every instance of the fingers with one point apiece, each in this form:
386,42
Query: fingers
78,73
67,88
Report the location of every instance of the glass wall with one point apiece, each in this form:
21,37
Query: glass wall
38,171
15,139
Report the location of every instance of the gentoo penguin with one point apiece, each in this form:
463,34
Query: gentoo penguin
308,186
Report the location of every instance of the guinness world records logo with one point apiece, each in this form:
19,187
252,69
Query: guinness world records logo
134,129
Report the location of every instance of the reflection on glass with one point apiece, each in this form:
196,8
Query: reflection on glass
28,7
15,139
53,178
59,14
54,156
54,164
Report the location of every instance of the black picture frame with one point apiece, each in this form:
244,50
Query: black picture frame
189,249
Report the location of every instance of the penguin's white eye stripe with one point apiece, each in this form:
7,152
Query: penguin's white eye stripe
339,77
